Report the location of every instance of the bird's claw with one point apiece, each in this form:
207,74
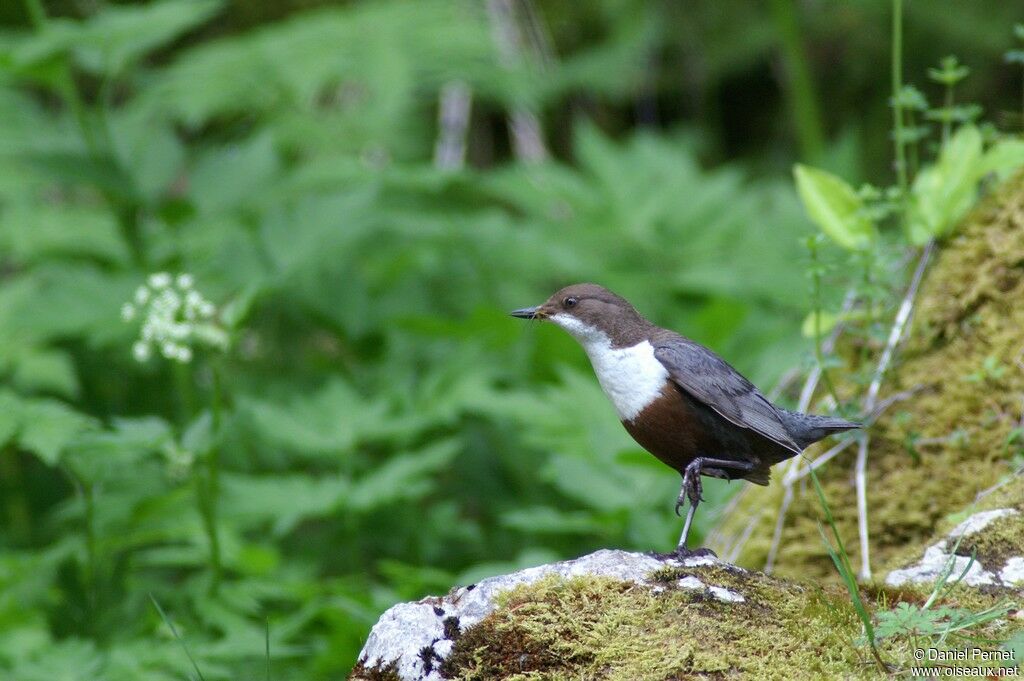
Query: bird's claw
692,486
692,490
683,552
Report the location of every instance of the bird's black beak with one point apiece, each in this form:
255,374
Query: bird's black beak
526,312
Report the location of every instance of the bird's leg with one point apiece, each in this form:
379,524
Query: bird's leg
692,489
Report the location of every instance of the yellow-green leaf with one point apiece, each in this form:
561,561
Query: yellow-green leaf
835,208
944,192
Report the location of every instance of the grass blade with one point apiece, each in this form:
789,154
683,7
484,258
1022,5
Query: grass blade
841,559
177,637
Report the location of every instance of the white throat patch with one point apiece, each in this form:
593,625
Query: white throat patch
631,377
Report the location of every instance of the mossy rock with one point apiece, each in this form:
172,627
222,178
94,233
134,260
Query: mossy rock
616,615
963,362
619,616
601,628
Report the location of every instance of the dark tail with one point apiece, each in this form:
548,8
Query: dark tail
807,429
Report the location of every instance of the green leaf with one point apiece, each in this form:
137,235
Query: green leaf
811,326
230,176
835,208
403,477
48,426
324,422
115,36
10,416
50,371
32,232
1003,158
544,519
282,500
943,192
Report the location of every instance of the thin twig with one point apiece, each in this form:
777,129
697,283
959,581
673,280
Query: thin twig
804,403
898,327
782,385
453,122
780,522
895,336
814,465
715,536
797,474
884,405
862,507
734,551
985,492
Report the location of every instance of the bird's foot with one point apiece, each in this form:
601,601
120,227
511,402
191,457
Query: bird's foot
692,489
692,486
682,552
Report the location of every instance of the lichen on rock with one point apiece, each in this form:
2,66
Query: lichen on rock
978,551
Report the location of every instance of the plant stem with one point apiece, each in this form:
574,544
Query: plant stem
212,482
185,392
913,147
799,85
89,529
207,493
899,325
207,473
870,400
19,513
861,484
947,120
897,106
819,354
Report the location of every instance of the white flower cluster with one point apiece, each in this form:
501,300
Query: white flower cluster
175,317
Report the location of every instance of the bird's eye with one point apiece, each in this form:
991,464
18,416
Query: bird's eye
570,301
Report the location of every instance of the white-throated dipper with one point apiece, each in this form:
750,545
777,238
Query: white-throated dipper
678,399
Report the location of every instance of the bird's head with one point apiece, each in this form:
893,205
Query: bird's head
589,312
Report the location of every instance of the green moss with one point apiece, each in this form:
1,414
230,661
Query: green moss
961,356
609,630
596,628
1010,494
1002,539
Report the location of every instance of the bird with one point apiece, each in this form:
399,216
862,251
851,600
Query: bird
678,399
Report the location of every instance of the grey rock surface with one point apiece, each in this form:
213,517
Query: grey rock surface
418,636
937,557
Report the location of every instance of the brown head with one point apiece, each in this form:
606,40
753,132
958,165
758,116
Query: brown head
591,313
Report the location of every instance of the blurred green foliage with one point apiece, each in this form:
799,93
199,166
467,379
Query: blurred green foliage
379,428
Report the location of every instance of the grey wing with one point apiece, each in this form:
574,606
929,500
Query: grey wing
710,379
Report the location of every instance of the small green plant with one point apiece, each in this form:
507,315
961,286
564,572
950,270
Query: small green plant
936,624
991,370
913,102
841,560
1014,442
949,73
177,320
